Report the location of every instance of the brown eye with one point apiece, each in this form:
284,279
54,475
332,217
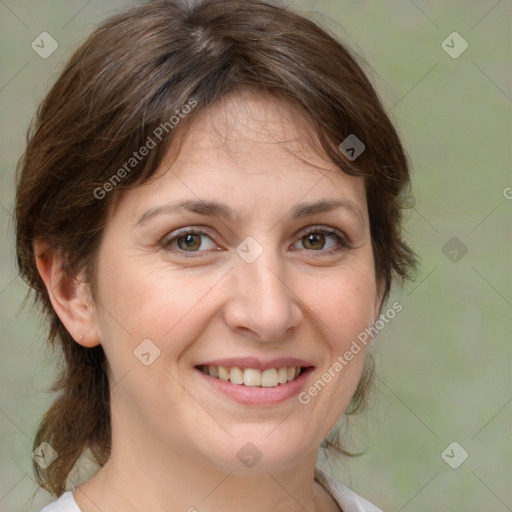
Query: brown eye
190,241
323,240
315,241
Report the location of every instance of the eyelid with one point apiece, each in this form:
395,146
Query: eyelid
184,231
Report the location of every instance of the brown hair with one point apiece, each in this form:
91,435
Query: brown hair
130,77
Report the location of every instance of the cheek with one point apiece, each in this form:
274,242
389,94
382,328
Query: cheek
139,302
343,308
345,304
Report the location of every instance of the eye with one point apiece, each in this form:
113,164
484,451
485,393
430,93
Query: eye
316,239
187,240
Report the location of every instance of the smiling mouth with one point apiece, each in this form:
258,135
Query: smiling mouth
253,377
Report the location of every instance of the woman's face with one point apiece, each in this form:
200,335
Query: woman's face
278,282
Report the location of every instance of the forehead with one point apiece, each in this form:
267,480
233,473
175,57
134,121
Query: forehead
248,148
248,124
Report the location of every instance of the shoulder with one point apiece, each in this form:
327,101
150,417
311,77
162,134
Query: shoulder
66,503
348,500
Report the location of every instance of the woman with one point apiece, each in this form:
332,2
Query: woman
209,212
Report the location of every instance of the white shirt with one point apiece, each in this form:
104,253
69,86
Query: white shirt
347,500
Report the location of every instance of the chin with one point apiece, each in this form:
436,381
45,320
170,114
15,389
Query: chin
257,449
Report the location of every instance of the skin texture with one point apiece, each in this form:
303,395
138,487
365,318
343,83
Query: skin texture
175,440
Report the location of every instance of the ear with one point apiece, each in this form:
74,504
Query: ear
71,298
378,303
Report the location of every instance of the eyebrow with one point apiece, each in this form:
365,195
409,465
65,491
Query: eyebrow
216,209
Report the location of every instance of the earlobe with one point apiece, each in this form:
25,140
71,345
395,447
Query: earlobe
70,297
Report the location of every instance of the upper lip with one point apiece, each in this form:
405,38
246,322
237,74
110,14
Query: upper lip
259,364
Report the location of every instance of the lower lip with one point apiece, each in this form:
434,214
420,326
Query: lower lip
255,395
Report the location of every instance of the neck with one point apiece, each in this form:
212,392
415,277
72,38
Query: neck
139,475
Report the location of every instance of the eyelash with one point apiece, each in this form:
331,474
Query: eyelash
343,242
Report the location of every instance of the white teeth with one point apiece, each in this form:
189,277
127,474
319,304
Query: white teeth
252,377
223,373
282,375
269,378
236,376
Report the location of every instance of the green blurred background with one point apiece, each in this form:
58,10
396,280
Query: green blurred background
444,363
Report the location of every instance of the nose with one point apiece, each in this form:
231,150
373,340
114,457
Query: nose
262,304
